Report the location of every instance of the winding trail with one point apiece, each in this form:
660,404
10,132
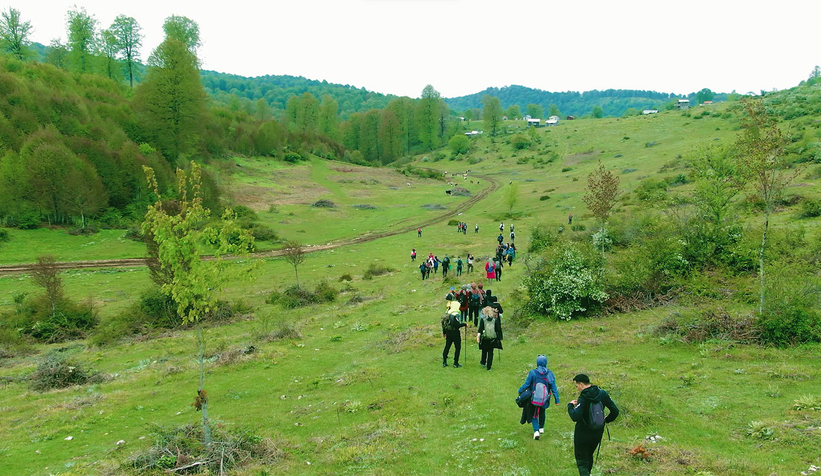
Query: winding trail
140,262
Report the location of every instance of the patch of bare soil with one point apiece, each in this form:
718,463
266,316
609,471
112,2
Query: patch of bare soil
579,157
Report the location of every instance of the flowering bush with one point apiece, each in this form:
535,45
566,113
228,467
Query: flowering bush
568,284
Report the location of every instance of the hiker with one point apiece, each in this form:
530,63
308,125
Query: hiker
475,304
589,424
450,331
511,227
463,296
469,259
490,269
500,238
498,268
436,264
512,236
501,227
458,266
493,301
570,219
445,266
511,253
423,268
413,255
476,230
535,408
489,335
451,296
464,228
419,233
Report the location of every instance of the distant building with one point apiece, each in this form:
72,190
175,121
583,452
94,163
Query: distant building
650,111
683,104
570,118
534,122
473,133
552,121
707,103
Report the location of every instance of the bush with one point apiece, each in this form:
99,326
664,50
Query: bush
64,321
292,157
56,371
453,222
294,297
791,315
263,232
568,284
376,270
708,325
4,235
809,209
241,211
541,237
346,277
459,144
544,198
323,204
520,141
175,447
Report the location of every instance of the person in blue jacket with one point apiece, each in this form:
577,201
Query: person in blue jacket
529,413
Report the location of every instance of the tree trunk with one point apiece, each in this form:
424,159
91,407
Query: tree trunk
761,261
297,277
206,430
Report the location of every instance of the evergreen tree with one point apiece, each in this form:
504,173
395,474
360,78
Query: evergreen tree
427,117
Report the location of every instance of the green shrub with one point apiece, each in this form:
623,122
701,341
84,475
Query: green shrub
707,325
459,144
56,371
376,270
567,169
241,211
4,235
568,284
292,157
520,141
263,232
544,198
541,237
294,297
346,277
791,315
65,320
453,222
810,209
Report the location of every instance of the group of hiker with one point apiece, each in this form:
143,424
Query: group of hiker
472,304
433,263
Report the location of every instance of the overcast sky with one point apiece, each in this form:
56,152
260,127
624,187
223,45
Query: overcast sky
464,46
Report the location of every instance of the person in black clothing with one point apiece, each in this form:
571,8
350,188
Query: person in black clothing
445,266
450,331
493,302
489,335
585,439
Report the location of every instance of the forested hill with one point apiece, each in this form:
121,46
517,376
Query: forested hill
233,90
614,102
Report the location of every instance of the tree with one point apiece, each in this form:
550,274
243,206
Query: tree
459,144
404,108
193,282
329,117
129,40
469,115
57,53
427,117
597,112
492,113
14,33
554,110
109,47
602,191
535,111
816,72
46,274
717,183
511,196
513,112
262,111
390,137
760,147
171,101
82,31
294,254
704,95
184,30
307,117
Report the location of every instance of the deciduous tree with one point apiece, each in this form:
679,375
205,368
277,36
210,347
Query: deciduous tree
194,282
492,114
14,33
602,191
329,117
761,160
427,117
511,197
294,253
184,30
82,32
57,53
514,112
109,47
597,112
535,111
129,39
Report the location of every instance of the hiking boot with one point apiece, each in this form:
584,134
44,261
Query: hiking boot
456,366
541,431
536,435
444,364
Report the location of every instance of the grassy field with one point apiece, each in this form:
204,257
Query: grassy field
362,390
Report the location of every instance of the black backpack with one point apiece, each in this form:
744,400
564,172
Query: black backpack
595,417
447,324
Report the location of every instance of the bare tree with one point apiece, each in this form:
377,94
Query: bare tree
294,253
760,159
46,274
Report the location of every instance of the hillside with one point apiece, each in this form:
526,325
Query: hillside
356,386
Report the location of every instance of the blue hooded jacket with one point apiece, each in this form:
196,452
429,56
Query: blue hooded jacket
540,373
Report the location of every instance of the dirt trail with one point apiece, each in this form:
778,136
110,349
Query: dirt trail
139,262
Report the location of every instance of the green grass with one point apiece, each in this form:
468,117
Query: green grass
25,246
363,391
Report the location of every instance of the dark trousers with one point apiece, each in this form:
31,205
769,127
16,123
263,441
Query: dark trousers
498,274
473,313
487,357
464,315
458,271
452,337
584,448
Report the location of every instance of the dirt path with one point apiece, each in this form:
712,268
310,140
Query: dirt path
139,262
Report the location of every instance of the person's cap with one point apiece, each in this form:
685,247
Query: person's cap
581,378
452,288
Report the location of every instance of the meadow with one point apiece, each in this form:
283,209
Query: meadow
357,386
